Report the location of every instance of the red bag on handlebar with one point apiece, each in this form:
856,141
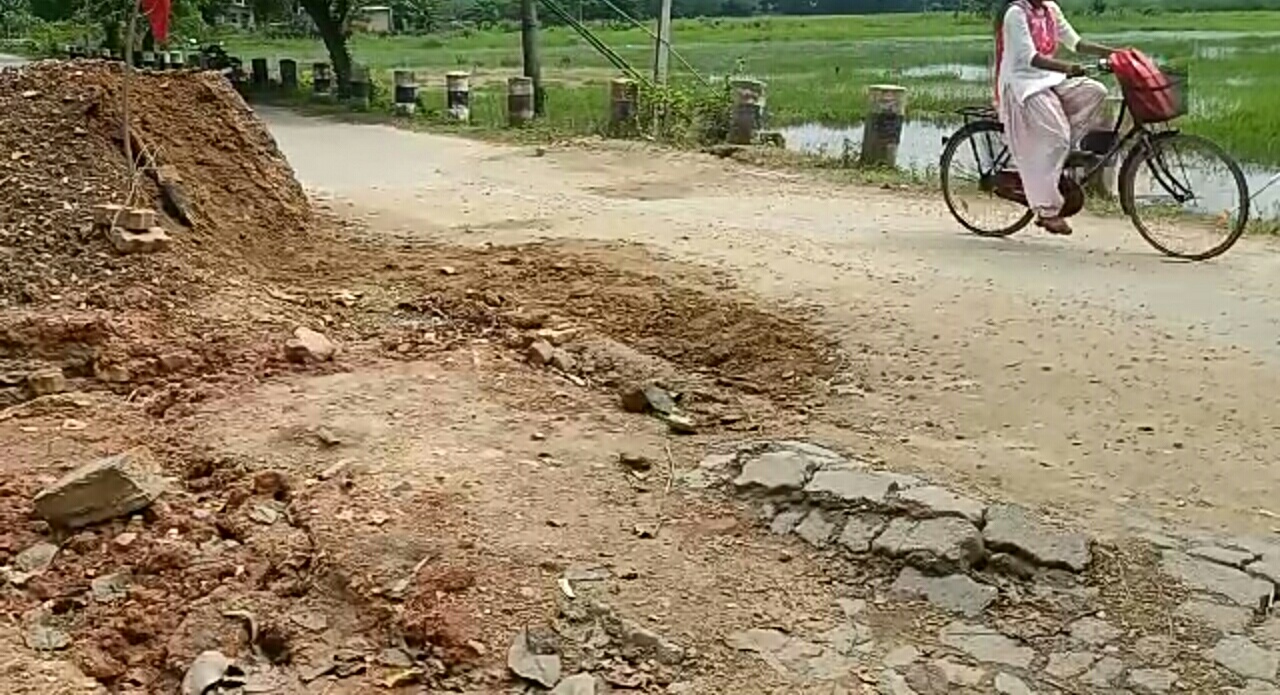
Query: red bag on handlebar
1152,95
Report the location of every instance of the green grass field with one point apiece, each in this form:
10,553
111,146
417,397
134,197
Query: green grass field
818,68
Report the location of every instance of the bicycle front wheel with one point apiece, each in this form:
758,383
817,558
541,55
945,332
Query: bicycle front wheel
1186,196
970,162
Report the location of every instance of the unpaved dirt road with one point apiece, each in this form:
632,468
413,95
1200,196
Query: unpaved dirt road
1086,374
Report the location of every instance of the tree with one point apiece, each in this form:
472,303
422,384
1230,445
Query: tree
15,16
333,22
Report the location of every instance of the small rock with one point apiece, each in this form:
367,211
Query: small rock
816,529
635,461
931,501
1011,565
986,645
1069,664
1241,656
264,515
395,658
125,539
126,241
1008,684
102,490
776,471
1093,631
1014,529
900,657
681,424
564,361
941,545
1224,619
206,671
956,593
46,382
539,353
315,621
308,346
533,659
47,638
1152,680
36,559
448,270
578,684
852,486
1223,556
860,530
110,587
175,361
1228,582
642,399
1104,673
402,678
786,522
112,373
959,674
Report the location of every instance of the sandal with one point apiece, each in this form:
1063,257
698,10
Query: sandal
1054,225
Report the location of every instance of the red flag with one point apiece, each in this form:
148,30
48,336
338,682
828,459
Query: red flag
158,12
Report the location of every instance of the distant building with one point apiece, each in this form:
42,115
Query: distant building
376,19
238,14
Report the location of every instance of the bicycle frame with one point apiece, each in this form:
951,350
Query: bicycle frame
1138,132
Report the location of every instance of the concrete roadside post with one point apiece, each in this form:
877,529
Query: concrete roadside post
882,131
321,79
360,87
289,75
458,95
623,95
177,60
161,60
748,110
148,59
519,101
406,92
260,77
195,61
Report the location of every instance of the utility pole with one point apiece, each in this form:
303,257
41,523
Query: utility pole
529,47
662,44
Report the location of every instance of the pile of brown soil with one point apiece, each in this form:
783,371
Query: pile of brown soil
61,153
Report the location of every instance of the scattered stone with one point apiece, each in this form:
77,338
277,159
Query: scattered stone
36,559
851,607
1152,680
175,361
579,684
1223,556
776,471
395,657
102,490
852,486
110,587
946,544
786,522
902,656
1093,631
960,674
1105,673
845,638
635,461
534,659
539,353
402,678
264,515
564,361
1244,658
932,501
315,621
206,671
758,640
986,645
927,679
1007,684
308,346
1014,529
1227,582
816,530
957,593
1224,619
138,219
1156,650
46,382
125,539
47,638
860,530
1069,664
642,399
127,242
681,424
894,683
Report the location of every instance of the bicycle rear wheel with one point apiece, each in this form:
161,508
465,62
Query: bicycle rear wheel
1187,197
969,164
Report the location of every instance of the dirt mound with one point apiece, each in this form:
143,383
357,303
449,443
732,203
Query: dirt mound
61,153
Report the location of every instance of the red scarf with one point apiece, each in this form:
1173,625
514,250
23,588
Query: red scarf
1044,34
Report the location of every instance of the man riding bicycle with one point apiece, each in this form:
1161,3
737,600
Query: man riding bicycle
1046,105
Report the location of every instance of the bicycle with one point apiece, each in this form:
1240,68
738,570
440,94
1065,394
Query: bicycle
1150,148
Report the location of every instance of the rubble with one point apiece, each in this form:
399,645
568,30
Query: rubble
533,657
307,346
105,489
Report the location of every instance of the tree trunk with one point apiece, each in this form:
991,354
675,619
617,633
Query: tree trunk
333,32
